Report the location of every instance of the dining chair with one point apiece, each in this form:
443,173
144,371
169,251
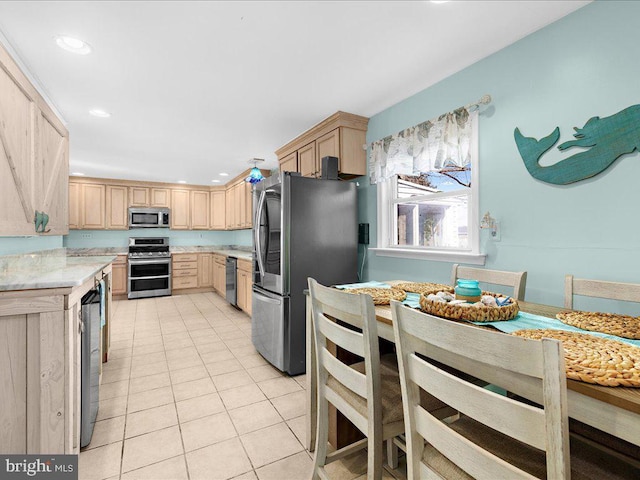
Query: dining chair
495,436
629,292
517,280
368,392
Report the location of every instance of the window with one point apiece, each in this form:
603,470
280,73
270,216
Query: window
431,213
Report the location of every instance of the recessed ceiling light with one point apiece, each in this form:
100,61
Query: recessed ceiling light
182,181
77,174
96,112
215,181
224,174
73,45
439,1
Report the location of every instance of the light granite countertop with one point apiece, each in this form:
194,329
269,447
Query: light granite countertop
49,269
243,253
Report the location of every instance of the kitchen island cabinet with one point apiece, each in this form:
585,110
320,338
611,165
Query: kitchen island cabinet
245,286
40,329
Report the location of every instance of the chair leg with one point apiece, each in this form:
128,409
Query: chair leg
374,454
322,438
392,454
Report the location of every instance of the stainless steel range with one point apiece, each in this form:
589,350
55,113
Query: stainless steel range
149,267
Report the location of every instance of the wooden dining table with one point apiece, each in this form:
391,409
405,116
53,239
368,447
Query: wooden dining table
614,410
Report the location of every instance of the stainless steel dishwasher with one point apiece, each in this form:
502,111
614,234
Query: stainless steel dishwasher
90,365
232,291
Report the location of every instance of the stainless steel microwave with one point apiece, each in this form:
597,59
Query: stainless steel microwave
148,217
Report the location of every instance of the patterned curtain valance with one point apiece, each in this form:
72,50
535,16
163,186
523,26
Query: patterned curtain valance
429,146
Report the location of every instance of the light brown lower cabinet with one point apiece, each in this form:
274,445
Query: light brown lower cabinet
40,368
244,286
119,276
205,270
184,267
219,274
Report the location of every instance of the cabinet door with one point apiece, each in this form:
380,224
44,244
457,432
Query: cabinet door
328,146
160,197
200,210
119,279
17,169
93,207
241,291
230,202
117,210
248,205
353,158
218,210
204,270
240,203
75,206
307,160
289,163
139,196
249,295
52,176
180,209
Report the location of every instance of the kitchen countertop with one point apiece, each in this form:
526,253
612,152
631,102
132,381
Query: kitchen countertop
243,253
49,269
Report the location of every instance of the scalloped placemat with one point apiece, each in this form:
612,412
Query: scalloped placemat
381,296
594,359
624,326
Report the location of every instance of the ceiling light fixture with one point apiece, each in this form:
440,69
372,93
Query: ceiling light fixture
77,174
439,1
182,181
73,45
215,181
255,175
223,174
97,112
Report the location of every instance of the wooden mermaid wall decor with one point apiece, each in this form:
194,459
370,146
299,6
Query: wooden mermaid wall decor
607,138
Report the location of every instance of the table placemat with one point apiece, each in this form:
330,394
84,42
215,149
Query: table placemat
593,359
624,326
529,321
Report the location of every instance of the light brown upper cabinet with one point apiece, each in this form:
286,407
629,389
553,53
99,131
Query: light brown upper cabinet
200,210
139,196
289,163
180,209
149,197
34,157
341,135
87,206
117,208
160,197
248,210
218,210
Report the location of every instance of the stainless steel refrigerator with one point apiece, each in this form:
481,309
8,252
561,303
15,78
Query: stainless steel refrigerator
303,227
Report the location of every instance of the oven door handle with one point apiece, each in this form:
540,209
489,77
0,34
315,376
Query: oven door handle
149,262
256,233
154,277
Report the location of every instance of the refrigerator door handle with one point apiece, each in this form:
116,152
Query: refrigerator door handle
268,298
256,233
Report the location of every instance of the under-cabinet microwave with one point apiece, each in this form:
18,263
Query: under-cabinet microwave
148,217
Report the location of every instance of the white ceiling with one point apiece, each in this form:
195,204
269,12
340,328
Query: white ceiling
199,88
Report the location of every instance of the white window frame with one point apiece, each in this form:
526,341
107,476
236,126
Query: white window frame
387,219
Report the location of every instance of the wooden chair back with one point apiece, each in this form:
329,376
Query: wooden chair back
629,292
531,366
517,280
329,305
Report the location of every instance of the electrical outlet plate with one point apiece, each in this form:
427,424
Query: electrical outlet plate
87,235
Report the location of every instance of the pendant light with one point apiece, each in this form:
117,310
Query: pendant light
255,175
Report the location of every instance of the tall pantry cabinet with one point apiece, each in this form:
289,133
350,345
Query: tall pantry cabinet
34,157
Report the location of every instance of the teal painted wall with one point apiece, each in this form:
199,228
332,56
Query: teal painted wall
120,238
584,65
13,245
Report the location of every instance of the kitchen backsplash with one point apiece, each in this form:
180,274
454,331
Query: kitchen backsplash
120,238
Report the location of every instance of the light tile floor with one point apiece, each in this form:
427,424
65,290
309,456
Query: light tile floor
186,396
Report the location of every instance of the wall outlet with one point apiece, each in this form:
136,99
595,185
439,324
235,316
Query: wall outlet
87,235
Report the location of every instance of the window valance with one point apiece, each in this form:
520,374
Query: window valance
429,146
